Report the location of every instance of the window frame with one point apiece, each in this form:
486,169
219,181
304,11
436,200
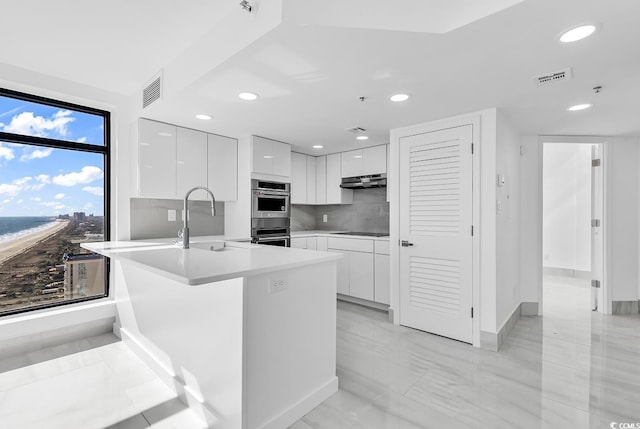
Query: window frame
104,149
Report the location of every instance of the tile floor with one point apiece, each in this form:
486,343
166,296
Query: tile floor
571,368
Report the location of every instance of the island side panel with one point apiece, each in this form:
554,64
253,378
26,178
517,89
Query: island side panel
290,344
193,332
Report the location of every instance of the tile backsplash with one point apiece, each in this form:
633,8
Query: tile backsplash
369,213
149,218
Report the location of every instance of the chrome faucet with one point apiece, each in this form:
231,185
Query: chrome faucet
185,225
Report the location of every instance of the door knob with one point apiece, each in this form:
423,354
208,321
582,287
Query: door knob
405,243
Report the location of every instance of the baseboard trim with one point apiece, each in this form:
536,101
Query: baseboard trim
529,309
493,342
302,407
365,302
625,307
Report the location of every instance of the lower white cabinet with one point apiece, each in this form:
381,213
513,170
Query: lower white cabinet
299,242
382,277
343,272
361,275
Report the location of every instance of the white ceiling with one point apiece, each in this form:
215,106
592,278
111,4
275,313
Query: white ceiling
310,73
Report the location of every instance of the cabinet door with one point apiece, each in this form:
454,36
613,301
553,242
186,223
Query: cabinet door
343,272
361,275
352,163
222,168
311,180
261,155
156,159
321,180
312,243
281,153
322,244
299,242
191,162
374,160
382,279
298,178
335,194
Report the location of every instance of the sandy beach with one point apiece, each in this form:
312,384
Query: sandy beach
21,244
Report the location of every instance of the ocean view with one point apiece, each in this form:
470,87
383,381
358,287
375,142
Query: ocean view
18,226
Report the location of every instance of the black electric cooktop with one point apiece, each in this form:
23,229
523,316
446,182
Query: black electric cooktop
366,234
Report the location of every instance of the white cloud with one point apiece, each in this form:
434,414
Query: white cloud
36,199
7,201
10,112
22,181
82,140
55,204
88,206
37,154
94,190
19,201
26,123
43,178
87,175
9,189
59,196
6,153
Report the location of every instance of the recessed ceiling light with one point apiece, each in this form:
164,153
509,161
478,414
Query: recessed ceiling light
248,96
357,156
399,97
578,107
165,134
203,117
577,33
317,146
268,157
362,138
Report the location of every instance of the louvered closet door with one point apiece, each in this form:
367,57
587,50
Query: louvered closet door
436,216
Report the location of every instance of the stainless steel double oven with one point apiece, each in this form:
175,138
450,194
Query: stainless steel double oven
270,213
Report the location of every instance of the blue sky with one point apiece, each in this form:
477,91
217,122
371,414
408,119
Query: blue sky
38,181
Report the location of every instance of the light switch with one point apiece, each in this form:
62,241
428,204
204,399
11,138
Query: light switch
325,218
171,215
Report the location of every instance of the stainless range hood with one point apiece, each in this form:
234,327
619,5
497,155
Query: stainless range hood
365,182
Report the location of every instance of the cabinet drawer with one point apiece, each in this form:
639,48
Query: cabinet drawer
382,247
353,244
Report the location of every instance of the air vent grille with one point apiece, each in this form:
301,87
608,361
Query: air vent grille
152,92
556,76
356,130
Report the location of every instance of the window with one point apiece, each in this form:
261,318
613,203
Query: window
54,195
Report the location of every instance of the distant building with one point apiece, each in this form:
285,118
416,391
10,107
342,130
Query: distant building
64,216
79,216
83,275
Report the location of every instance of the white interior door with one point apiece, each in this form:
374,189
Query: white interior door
597,243
435,224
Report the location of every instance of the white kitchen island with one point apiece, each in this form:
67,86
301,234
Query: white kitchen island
245,336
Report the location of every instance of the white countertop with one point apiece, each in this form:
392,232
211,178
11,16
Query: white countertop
321,233
196,266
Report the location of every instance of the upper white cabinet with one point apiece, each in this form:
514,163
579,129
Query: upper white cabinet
335,194
371,160
321,179
298,178
191,162
311,180
156,159
172,160
270,157
222,167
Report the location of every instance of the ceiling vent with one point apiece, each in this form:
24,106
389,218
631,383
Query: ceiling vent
356,130
152,92
557,76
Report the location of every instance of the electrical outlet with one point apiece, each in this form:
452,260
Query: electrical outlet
276,286
171,215
325,218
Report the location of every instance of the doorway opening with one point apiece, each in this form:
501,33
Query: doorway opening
572,221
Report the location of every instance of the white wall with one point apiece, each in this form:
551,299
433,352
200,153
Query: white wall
622,186
567,206
507,221
621,214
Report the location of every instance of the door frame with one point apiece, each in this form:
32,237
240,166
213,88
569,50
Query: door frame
606,306
393,190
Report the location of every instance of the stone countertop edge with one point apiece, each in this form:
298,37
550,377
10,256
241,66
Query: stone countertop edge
122,251
319,233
